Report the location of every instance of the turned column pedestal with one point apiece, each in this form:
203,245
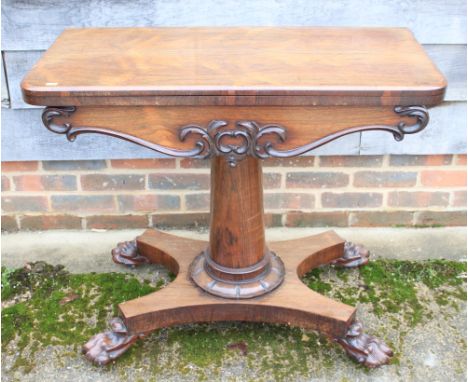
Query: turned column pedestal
237,262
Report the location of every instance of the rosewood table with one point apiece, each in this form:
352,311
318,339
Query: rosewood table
237,96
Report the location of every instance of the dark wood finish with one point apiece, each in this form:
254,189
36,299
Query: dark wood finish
237,263
162,125
292,303
237,232
354,255
126,253
106,347
333,65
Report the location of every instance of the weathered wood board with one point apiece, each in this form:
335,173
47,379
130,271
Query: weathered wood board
5,93
29,27
33,25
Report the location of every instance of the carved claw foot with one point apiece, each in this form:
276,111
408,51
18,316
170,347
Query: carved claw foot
354,255
126,253
363,348
105,347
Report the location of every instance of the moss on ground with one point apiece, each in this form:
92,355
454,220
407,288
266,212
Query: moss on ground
35,318
391,286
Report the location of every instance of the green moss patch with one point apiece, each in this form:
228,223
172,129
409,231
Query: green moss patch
35,315
391,286
44,319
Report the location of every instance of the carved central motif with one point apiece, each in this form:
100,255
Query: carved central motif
246,138
235,144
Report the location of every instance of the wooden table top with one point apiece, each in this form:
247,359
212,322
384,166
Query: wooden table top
134,66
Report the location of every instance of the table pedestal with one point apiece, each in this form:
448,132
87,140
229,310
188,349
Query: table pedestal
236,276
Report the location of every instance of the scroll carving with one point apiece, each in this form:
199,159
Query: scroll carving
247,138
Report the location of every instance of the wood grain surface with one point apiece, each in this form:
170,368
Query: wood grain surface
450,59
237,232
162,125
292,303
329,63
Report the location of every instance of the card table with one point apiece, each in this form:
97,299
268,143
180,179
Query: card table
237,96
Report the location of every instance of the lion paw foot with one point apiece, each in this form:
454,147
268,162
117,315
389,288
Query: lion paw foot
354,255
363,348
126,253
105,347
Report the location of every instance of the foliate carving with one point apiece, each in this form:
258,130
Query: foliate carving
105,347
419,112
71,132
247,137
363,348
235,144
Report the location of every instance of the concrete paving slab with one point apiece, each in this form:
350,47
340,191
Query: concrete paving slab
87,251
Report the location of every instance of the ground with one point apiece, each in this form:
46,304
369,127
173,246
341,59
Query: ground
418,307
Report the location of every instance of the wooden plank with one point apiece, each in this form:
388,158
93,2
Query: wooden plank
445,134
450,59
5,93
34,25
17,65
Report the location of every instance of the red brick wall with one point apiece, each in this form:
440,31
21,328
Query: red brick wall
364,191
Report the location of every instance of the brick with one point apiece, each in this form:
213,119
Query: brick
317,219
20,166
351,199
197,202
316,179
271,180
104,182
384,179
443,178
441,218
418,199
184,220
143,163
273,220
420,160
179,181
9,224
67,165
45,183
303,161
351,161
6,186
24,203
116,222
296,201
46,222
381,218
461,160
148,203
195,163
459,199
83,203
